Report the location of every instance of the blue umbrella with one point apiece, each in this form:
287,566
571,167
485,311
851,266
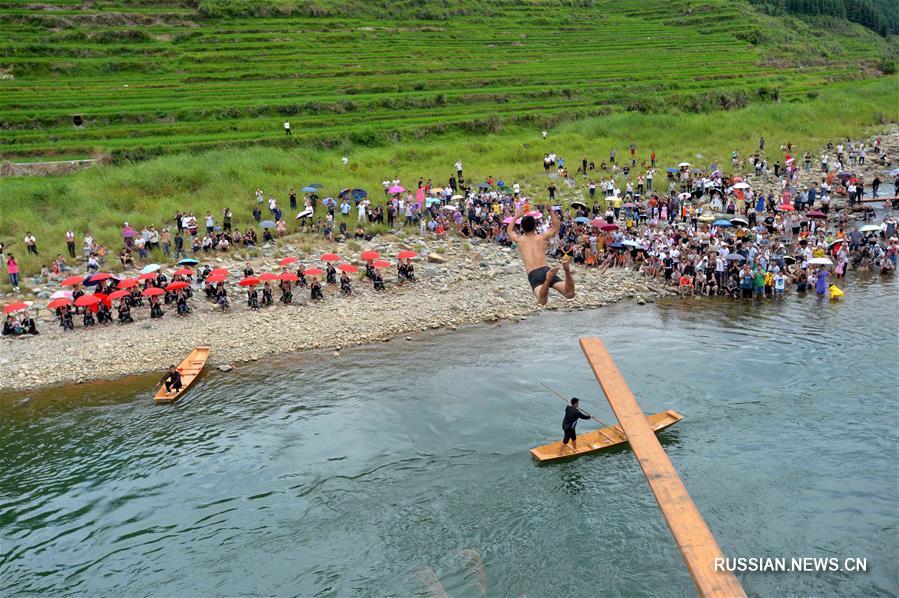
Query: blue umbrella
722,223
90,282
150,268
309,189
617,245
895,172
432,200
316,185
359,193
582,219
672,170
267,224
188,261
734,257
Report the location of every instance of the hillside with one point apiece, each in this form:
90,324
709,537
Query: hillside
151,77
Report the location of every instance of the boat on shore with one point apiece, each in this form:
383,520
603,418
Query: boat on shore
601,439
190,370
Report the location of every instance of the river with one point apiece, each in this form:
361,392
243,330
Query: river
317,475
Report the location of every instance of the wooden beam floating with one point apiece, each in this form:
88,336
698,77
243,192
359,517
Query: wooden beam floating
695,541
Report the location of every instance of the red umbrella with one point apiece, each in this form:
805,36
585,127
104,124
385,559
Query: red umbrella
219,272
104,298
314,272
177,286
816,214
330,257
250,281
287,261
213,278
381,264
184,272
127,283
87,300
118,295
17,306
148,276
608,227
405,255
101,276
349,268
370,255
152,292
786,208
72,281
57,303
289,277
268,277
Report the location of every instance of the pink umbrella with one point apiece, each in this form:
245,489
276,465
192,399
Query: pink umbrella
396,189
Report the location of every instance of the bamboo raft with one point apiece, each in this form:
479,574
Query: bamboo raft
601,439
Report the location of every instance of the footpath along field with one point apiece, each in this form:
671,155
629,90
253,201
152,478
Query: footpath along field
153,77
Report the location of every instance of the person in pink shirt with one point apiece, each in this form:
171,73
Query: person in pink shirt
12,268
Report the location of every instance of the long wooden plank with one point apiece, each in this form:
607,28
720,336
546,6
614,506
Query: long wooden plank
598,440
694,539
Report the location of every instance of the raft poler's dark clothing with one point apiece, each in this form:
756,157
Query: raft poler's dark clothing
572,414
537,277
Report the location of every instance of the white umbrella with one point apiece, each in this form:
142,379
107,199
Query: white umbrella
61,295
870,228
305,213
684,164
456,197
742,186
449,207
684,195
820,261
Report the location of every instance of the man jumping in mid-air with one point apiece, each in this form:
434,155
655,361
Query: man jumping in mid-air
533,251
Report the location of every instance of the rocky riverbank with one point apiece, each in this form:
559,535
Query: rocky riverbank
458,283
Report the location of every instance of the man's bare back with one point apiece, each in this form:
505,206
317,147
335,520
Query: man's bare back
532,247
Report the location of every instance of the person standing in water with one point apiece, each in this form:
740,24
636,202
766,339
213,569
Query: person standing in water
532,247
572,415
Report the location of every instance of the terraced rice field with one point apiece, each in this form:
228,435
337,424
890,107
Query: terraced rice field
152,77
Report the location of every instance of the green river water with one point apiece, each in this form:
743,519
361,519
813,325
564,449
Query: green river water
315,475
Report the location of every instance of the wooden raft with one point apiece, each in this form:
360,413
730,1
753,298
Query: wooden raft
190,369
694,539
598,440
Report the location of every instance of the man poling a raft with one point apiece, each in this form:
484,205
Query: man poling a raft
532,247
572,414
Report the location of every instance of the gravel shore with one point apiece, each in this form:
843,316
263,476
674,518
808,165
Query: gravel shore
458,284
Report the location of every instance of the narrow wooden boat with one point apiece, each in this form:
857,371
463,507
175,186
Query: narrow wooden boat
603,438
190,369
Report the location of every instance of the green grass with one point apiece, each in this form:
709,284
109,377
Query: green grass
150,192
156,77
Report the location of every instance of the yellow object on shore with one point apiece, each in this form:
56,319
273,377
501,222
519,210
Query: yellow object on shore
835,292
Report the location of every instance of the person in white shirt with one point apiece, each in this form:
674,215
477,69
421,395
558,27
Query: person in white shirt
272,204
260,197
287,128
360,218
70,242
459,168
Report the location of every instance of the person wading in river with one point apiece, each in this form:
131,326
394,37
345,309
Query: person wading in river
572,414
532,247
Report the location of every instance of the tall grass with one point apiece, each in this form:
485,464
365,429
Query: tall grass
102,198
